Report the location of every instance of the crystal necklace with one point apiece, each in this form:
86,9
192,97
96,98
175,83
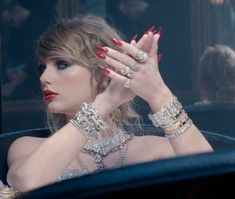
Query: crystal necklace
100,149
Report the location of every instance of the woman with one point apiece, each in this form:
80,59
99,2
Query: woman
89,77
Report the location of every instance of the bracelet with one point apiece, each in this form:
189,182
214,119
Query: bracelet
88,121
181,130
168,114
179,123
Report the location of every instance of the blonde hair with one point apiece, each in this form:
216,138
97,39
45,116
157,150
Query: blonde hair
75,40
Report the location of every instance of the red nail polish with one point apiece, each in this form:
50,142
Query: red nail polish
116,42
159,57
149,30
155,31
134,37
101,56
101,48
160,31
104,70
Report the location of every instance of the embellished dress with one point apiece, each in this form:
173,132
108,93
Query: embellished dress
98,149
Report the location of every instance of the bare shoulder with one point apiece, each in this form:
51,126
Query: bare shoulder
23,147
151,147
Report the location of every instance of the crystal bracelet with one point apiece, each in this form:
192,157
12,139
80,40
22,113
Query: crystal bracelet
88,121
168,114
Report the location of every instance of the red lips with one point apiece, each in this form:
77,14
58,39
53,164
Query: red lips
49,95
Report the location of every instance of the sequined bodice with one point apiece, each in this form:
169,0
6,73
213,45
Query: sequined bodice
99,150
70,173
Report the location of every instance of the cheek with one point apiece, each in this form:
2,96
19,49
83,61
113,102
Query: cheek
79,90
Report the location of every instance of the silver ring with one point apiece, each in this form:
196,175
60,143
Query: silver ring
127,72
142,56
130,74
127,83
135,67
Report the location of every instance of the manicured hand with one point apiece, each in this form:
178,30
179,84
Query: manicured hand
145,82
115,92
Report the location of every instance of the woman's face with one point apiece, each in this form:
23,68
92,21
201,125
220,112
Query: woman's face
65,86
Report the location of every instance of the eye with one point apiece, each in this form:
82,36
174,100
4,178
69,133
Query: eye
61,64
41,68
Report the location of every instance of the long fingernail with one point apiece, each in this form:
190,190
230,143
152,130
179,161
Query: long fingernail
116,42
134,37
105,70
101,48
159,31
101,56
159,57
149,30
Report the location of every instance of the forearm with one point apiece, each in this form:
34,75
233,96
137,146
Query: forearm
191,140
49,161
53,156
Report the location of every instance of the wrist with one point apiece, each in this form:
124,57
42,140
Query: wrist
103,106
160,99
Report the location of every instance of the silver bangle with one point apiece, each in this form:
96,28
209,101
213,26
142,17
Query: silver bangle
88,121
180,130
178,123
168,114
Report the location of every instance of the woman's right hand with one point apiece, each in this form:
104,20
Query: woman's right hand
115,94
146,81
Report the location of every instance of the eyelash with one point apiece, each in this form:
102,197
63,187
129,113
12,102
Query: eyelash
61,64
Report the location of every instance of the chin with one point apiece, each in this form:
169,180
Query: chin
56,108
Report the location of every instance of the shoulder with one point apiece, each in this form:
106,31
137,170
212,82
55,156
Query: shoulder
152,147
150,139
23,147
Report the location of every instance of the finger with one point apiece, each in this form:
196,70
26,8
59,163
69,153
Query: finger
126,47
133,42
141,42
154,47
113,62
148,42
117,59
134,38
113,75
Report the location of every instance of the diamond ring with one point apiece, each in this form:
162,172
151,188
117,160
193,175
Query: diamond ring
135,66
127,83
142,56
127,71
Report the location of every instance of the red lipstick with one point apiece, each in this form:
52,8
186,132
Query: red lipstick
49,95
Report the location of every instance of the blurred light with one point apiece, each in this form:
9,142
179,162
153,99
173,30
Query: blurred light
217,2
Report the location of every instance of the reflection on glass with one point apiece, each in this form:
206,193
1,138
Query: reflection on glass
22,22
